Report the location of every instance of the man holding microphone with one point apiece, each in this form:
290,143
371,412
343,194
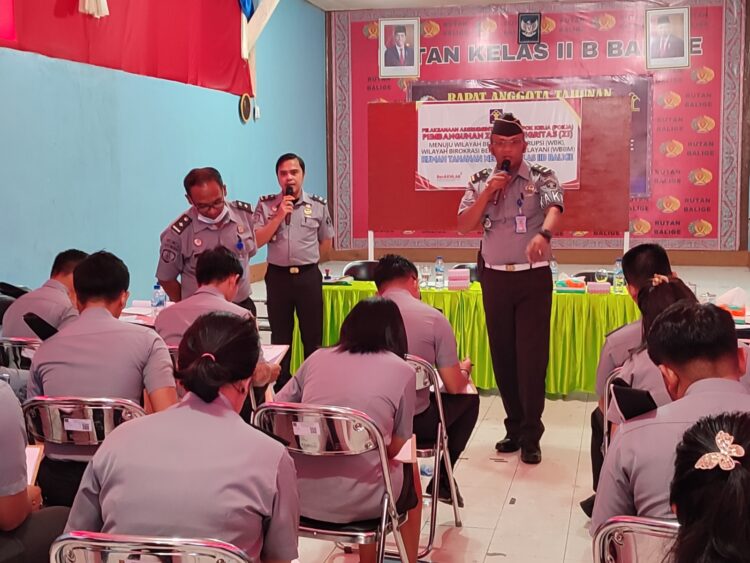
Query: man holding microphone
298,230
517,205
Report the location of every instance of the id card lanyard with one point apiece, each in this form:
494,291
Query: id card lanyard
520,218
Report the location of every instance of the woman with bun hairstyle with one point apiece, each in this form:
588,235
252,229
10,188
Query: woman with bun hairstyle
197,469
710,491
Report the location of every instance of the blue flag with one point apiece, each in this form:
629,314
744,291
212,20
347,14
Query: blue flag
247,8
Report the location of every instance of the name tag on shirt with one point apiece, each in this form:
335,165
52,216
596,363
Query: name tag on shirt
520,224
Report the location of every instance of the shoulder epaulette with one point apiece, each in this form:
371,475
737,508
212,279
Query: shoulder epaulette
318,199
481,175
181,224
242,206
268,197
541,169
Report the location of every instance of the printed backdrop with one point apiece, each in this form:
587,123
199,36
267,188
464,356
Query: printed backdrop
686,122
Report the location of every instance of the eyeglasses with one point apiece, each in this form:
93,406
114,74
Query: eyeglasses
213,205
513,143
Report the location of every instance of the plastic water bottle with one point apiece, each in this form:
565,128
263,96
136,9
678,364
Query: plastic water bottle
158,299
439,273
555,270
619,277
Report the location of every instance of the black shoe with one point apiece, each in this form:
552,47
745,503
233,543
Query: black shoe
507,445
531,454
588,505
444,493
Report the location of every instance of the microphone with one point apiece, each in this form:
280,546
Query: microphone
505,167
289,191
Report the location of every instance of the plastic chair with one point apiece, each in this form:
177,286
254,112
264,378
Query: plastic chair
427,376
76,421
633,538
91,547
607,400
472,270
317,430
361,270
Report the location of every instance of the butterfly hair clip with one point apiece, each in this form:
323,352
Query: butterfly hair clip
723,458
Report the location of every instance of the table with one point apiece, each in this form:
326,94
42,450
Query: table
579,323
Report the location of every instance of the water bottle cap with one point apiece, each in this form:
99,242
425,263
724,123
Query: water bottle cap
439,257
157,286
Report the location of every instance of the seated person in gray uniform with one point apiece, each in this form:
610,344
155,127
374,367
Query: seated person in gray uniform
695,347
53,302
218,272
710,491
638,371
365,371
430,336
639,265
97,355
26,532
197,470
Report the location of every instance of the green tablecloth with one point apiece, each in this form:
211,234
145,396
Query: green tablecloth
578,323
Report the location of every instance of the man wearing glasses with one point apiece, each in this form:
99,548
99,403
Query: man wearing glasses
211,221
517,205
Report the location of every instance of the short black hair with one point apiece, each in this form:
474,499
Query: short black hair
374,325
200,176
66,262
218,348
640,263
102,275
394,267
216,265
653,299
290,156
688,331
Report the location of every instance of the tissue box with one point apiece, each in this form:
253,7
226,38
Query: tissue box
598,287
459,278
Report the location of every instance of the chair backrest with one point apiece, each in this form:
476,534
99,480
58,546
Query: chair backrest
90,547
633,538
17,352
426,375
361,270
607,400
76,420
472,270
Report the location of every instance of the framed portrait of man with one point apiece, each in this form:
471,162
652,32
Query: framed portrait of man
398,47
668,36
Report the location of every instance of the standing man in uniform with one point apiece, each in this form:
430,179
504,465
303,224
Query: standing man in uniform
297,227
211,221
517,205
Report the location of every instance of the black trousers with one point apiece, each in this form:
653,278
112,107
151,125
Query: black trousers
461,413
30,542
300,293
517,307
59,480
597,438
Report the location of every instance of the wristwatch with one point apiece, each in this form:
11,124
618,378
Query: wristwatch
546,233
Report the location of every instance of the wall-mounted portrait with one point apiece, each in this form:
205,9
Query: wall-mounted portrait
399,47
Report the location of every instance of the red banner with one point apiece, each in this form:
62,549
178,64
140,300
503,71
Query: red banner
691,198
194,42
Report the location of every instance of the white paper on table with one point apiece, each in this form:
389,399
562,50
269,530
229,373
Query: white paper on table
408,453
138,311
33,459
273,353
469,389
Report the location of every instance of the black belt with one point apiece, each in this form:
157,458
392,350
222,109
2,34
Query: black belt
292,269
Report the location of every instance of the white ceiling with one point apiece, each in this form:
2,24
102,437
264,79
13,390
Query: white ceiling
335,5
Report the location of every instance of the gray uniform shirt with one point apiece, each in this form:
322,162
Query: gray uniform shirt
639,464
173,321
617,348
640,372
536,188
51,302
383,386
99,356
12,443
193,470
185,239
296,244
430,336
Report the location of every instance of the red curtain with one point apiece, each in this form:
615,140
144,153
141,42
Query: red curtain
191,41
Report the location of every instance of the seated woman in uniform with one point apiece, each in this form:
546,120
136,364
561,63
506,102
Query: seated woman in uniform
638,371
365,371
197,469
710,491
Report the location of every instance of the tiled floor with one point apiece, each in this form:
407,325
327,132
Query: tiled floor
514,513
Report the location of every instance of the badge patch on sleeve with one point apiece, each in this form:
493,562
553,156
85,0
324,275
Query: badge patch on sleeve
168,256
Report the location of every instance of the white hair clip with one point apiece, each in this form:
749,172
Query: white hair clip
723,458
